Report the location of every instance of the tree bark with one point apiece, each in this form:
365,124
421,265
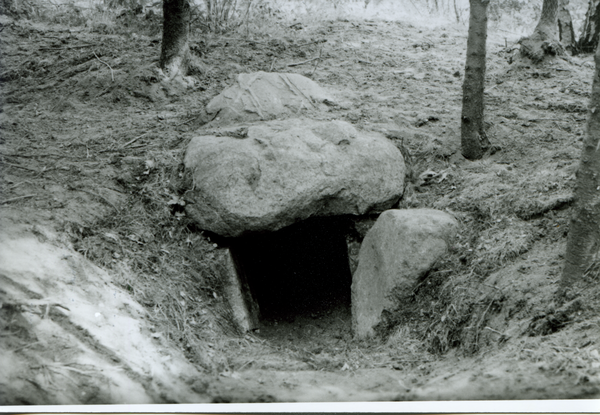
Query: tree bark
174,55
566,34
473,138
583,244
545,38
547,27
590,32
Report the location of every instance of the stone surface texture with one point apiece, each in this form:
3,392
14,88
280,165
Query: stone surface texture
399,249
270,175
239,298
266,96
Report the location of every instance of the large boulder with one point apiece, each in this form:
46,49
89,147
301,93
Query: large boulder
399,249
266,96
268,176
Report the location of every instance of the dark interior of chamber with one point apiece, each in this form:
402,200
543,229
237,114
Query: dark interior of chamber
302,269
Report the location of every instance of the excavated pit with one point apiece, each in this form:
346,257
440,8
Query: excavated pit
298,271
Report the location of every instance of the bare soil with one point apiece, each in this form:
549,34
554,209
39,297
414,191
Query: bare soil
110,295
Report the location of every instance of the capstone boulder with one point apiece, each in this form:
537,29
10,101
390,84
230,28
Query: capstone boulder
270,175
261,96
399,249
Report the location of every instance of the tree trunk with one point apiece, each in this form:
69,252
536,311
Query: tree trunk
473,139
456,12
547,27
174,55
588,41
583,244
545,38
566,34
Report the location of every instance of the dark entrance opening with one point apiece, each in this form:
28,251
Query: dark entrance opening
299,270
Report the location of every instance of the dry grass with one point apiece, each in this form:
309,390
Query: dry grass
174,270
407,349
504,242
566,353
168,267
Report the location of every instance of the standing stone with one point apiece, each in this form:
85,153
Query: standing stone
239,298
399,249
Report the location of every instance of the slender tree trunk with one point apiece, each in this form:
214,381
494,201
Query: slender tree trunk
174,54
473,138
566,34
456,13
545,37
547,27
588,41
583,244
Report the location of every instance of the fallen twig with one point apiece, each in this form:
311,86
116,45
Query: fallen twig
495,331
16,198
32,155
73,369
69,71
491,286
135,139
244,40
187,121
21,167
26,346
18,184
548,119
111,69
34,303
311,43
69,47
99,196
352,76
303,62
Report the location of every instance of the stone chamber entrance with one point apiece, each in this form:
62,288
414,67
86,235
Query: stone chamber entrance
301,271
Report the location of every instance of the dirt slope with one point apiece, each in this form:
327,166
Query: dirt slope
104,303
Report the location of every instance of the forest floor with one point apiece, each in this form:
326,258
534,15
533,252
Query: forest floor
110,295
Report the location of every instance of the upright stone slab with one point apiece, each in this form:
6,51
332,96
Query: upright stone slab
396,252
239,298
270,175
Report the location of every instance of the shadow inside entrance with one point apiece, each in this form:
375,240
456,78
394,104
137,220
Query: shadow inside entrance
297,271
